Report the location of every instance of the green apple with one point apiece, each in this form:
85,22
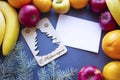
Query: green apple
61,6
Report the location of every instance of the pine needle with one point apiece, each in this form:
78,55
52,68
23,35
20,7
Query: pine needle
17,66
53,72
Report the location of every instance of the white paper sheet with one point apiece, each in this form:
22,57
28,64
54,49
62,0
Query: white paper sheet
79,33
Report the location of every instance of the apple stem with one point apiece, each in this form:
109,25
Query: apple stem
90,78
105,16
59,1
34,17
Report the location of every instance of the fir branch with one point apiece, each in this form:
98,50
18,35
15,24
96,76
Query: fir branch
42,74
22,66
67,74
26,66
9,64
16,66
53,68
0,69
53,72
31,63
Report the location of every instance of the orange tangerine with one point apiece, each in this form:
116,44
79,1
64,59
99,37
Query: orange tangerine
111,71
111,44
78,4
18,3
43,5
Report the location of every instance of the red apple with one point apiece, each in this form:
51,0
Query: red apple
98,6
106,21
90,73
29,15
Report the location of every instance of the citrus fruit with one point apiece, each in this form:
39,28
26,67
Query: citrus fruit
111,44
111,71
78,4
43,5
18,3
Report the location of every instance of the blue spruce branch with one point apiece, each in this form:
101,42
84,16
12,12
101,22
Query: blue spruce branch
53,72
17,66
43,75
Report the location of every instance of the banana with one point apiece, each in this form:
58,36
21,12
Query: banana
114,7
2,27
12,27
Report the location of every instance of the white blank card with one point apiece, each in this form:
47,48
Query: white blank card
79,33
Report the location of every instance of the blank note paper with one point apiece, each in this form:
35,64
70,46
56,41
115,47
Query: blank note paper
79,33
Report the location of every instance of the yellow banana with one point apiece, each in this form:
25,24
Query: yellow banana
12,27
2,27
114,7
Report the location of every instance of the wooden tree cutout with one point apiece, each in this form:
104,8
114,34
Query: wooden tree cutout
46,27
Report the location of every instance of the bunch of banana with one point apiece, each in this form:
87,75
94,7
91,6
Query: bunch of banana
114,7
9,27
2,27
